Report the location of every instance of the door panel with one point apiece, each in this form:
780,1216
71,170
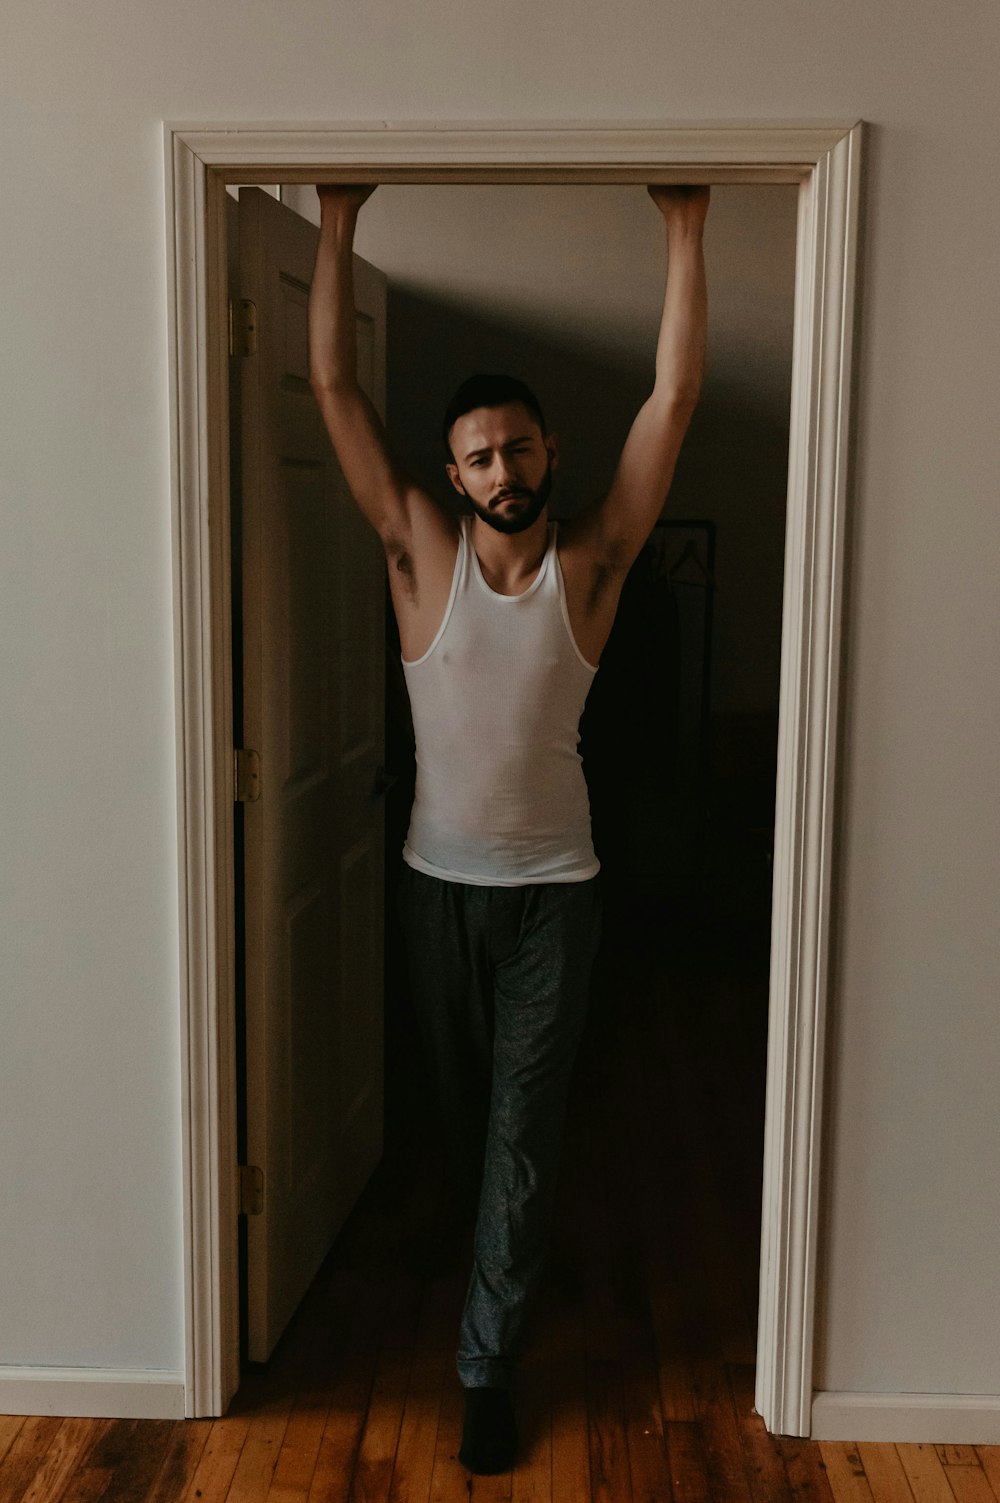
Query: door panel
313,579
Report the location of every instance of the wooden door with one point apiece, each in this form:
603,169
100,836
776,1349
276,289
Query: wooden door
313,579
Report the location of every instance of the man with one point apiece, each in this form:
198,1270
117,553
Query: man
502,620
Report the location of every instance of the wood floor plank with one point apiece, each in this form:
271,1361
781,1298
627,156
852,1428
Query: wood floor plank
141,1447
90,1485
217,1463
765,1467
68,1446
957,1455
414,1465
27,1453
90,1475
380,1436
432,1367
258,1458
345,1419
925,1473
531,1481
730,1474
610,1478
297,1458
989,1460
570,1459
969,1483
846,1472
181,1458
686,1459
93,1476
10,1428
884,1470
648,1461
285,1492
677,1380
805,1469
568,1401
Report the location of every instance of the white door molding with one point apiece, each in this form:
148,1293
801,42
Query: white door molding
824,159
802,900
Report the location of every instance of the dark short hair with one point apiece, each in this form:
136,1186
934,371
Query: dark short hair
489,391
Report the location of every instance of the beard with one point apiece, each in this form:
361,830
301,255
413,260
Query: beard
531,504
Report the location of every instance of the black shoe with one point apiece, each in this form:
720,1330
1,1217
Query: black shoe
489,1435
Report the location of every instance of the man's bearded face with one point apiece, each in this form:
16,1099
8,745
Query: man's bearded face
515,508
503,465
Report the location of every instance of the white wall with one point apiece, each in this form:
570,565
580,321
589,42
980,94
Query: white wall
91,1266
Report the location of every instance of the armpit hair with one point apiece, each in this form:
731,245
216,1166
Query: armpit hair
400,560
608,573
601,576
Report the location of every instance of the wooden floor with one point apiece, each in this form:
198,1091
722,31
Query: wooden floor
639,1383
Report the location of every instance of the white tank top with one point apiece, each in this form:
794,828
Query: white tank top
501,799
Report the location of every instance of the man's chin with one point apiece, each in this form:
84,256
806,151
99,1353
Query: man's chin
516,520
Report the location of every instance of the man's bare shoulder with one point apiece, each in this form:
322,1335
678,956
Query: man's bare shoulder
420,549
419,524
587,543
593,570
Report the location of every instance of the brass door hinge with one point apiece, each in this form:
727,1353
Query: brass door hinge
246,775
251,1190
242,326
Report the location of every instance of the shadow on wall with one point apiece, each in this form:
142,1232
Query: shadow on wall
434,345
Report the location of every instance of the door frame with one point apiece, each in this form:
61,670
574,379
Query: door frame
825,160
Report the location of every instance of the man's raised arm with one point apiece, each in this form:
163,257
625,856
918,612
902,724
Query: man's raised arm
376,481
619,525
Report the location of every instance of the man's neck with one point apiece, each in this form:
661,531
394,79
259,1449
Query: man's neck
510,561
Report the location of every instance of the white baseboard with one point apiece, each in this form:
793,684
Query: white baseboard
957,1419
92,1392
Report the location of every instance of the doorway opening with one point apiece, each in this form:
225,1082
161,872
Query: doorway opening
824,163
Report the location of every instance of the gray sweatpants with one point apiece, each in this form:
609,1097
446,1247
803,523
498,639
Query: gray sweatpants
500,980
